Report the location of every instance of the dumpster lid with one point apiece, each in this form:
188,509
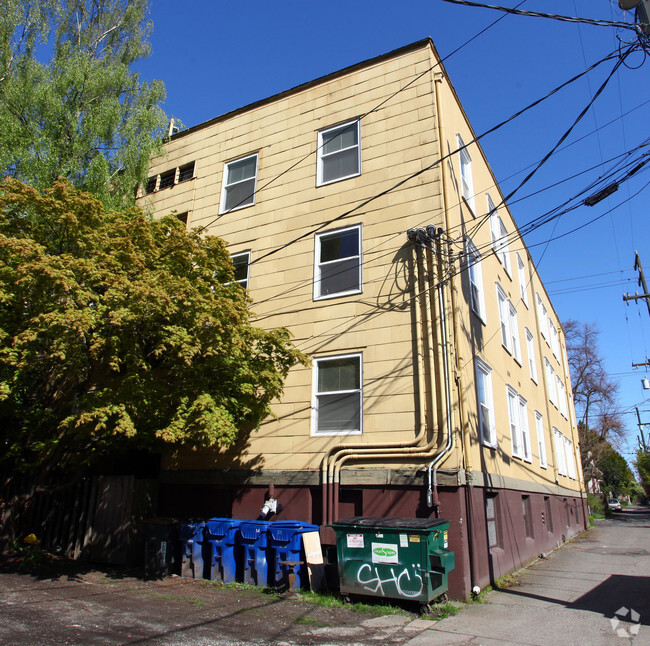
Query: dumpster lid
390,523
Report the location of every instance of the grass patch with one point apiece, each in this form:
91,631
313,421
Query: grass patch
438,611
311,621
336,601
506,581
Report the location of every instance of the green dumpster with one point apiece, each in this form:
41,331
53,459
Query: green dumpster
399,558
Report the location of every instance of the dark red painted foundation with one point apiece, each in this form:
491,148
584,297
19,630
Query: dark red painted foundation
526,524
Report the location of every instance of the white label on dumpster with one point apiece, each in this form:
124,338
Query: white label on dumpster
384,553
403,540
355,540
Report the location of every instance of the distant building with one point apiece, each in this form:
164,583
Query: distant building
363,216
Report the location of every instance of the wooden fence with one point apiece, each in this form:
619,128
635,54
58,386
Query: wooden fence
94,519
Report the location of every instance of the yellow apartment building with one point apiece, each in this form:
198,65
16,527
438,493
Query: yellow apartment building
362,214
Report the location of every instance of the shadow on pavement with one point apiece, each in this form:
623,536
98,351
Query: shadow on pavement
614,593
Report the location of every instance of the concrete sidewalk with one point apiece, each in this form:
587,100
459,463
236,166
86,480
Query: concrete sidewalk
594,590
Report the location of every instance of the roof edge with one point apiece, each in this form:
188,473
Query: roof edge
426,42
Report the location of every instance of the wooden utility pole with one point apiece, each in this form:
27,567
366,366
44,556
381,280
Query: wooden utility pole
641,425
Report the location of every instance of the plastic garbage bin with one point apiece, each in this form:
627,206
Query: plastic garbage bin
253,538
286,554
190,536
160,540
221,549
400,558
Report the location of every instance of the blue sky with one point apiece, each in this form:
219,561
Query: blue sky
216,56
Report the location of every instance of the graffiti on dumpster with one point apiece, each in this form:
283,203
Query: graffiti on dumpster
406,583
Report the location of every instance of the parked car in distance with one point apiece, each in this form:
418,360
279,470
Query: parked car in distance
614,504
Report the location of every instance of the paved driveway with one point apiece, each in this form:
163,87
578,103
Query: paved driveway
594,590
572,597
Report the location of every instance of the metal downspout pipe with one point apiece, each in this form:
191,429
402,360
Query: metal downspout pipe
329,486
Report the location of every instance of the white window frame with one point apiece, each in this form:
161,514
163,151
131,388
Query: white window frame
560,455
514,419
561,395
570,458
225,185
485,402
499,236
316,394
466,177
542,318
551,383
475,274
247,254
525,430
555,346
322,155
519,430
523,283
514,333
530,348
318,265
541,441
509,324
504,318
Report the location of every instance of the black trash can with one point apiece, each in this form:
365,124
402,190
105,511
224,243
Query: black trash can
160,547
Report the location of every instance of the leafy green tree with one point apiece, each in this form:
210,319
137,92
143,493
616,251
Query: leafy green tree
642,465
617,476
84,114
116,330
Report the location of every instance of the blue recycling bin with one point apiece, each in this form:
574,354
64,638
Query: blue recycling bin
221,549
253,539
286,553
190,535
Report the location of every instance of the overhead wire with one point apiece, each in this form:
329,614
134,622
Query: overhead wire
553,16
377,107
440,161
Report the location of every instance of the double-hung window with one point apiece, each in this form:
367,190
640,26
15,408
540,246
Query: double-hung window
338,395
239,183
514,333
541,442
504,318
475,274
542,318
466,179
337,264
555,345
570,458
499,236
532,363
487,426
521,272
339,153
519,432
551,383
241,261
509,324
561,395
560,455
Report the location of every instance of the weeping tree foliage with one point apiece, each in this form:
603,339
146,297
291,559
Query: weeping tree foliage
70,104
116,330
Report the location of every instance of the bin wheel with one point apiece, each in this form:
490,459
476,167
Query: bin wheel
424,609
443,598
346,599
